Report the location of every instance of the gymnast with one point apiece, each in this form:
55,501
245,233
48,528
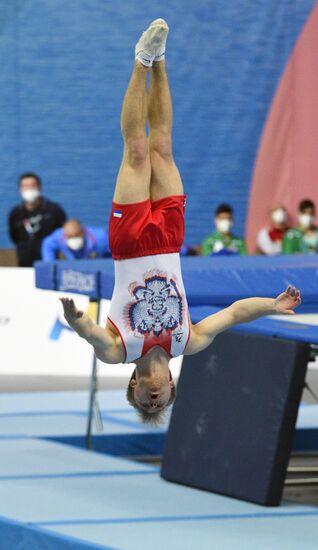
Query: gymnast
148,321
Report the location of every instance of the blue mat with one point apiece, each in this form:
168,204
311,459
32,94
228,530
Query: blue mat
208,281
63,498
62,417
302,332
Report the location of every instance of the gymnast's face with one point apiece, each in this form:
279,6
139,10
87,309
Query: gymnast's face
151,385
152,393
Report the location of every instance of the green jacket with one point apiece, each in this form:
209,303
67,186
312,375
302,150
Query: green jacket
296,242
218,241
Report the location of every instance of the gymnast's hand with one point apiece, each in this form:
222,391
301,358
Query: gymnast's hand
287,301
71,313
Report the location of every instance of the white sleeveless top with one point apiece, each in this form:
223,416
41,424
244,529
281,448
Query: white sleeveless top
149,306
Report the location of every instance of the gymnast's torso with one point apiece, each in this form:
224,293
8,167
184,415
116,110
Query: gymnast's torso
149,306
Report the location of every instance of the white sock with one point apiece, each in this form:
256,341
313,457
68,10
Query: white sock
160,57
145,58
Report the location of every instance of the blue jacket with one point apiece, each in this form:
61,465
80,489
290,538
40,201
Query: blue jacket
96,245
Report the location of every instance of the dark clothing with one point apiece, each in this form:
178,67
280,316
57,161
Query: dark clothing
28,228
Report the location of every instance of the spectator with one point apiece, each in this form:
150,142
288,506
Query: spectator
270,239
303,239
74,242
32,220
222,240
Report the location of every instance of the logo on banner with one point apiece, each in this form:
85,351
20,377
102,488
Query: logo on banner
75,280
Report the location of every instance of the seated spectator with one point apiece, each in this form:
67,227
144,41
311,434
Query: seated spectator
75,242
32,220
303,239
270,239
222,240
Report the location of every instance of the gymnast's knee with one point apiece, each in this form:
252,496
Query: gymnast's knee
137,150
160,145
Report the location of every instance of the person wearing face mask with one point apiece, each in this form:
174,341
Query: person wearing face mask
270,239
303,239
75,242
222,240
32,220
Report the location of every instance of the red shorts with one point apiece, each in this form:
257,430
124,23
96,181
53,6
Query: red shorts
146,228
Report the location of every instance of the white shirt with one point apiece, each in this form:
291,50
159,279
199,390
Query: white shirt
266,245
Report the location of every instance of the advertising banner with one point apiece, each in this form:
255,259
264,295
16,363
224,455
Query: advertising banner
35,338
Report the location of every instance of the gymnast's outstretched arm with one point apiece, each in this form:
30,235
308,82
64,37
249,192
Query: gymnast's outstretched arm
102,340
242,311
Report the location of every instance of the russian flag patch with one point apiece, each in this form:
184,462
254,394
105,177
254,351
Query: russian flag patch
117,213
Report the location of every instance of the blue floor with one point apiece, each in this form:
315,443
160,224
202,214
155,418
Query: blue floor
122,504
56,497
65,413
62,416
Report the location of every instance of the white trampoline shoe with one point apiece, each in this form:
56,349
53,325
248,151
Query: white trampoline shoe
152,43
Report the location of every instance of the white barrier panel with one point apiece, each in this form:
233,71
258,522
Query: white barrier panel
36,340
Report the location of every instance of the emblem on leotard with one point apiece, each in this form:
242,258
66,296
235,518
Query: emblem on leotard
157,305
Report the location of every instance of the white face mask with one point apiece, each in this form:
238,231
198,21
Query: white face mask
223,226
279,216
311,241
30,195
306,220
75,243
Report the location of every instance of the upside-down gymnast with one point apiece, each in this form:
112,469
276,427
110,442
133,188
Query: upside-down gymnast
148,322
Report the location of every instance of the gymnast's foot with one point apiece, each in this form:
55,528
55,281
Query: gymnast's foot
151,45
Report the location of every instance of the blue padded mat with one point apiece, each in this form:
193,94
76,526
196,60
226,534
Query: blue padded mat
302,332
62,417
63,498
208,280
220,281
